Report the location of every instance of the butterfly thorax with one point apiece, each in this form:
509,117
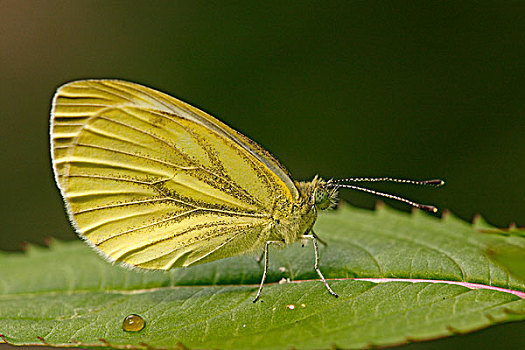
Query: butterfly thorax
313,196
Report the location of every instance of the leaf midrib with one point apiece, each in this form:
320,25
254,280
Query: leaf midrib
519,293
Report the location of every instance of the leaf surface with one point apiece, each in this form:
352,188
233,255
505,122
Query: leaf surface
399,277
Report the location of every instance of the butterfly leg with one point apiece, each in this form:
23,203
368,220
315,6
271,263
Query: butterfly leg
265,253
319,239
316,251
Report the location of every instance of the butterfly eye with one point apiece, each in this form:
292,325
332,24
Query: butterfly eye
321,198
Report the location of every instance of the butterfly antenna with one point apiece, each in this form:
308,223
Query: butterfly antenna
429,208
434,182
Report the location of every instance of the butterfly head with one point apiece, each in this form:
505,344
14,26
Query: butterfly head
322,194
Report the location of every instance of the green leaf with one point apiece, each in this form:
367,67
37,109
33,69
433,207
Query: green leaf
436,279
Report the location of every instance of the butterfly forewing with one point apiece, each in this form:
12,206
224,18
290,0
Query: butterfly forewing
153,182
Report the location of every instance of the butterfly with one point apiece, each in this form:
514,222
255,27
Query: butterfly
152,182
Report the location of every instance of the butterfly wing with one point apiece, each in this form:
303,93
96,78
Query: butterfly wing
153,182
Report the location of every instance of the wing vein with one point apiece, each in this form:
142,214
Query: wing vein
112,92
88,229
221,232
114,179
149,95
109,164
139,156
148,225
140,131
179,215
123,204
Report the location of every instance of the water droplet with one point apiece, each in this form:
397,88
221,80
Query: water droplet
133,323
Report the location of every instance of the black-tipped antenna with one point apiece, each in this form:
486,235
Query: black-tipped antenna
433,182
429,208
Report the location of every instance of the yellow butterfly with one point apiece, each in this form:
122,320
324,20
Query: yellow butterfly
152,182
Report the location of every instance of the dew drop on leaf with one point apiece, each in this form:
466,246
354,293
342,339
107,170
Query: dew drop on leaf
133,323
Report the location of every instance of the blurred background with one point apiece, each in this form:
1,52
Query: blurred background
340,88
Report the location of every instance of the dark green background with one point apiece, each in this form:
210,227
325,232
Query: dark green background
404,89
